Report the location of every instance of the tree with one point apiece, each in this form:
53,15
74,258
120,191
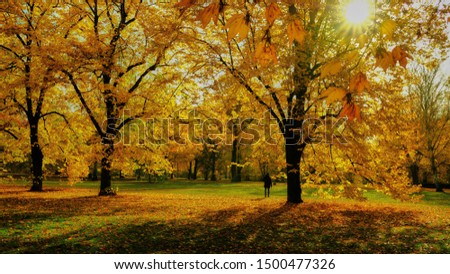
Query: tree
116,49
29,73
323,57
432,96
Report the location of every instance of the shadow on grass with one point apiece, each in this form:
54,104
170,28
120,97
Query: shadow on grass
314,227
284,230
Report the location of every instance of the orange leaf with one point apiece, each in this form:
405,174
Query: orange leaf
384,59
265,53
272,12
209,13
351,111
296,31
331,68
333,94
237,25
400,55
184,4
359,83
387,28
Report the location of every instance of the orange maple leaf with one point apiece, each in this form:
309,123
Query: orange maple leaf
351,111
209,13
184,4
265,53
272,12
359,83
384,59
400,55
295,31
237,24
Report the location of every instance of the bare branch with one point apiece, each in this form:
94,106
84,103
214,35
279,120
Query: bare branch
85,105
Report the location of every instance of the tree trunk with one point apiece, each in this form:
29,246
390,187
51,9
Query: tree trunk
95,172
294,152
36,158
235,176
190,170
434,171
414,170
213,166
194,174
105,177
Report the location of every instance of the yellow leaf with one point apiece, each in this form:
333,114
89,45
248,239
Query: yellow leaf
400,55
333,94
295,31
209,13
237,25
387,28
359,83
272,12
384,59
264,54
331,68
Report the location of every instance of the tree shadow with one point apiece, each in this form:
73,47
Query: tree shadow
285,229
313,227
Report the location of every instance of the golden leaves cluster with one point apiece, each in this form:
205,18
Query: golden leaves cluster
358,84
386,59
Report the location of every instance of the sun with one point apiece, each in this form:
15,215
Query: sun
358,11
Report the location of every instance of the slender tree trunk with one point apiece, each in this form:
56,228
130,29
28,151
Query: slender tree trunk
37,158
213,166
190,170
194,174
235,176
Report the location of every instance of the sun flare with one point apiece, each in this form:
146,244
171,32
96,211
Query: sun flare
357,11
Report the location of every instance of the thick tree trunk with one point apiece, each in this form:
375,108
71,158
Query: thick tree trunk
37,158
414,171
105,177
434,171
95,171
293,157
294,152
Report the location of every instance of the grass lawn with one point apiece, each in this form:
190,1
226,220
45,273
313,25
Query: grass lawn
205,217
